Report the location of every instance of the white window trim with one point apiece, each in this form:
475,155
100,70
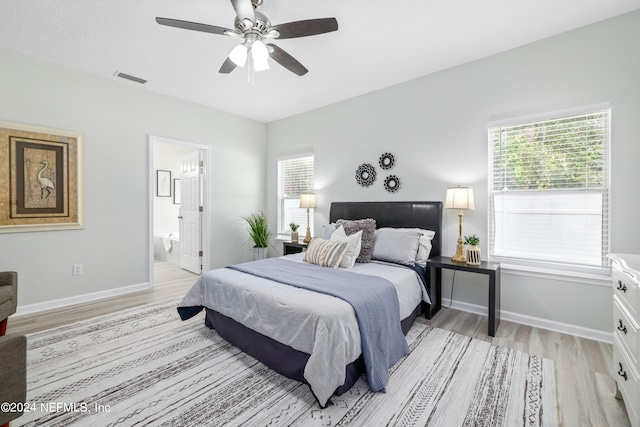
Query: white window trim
286,236
594,277
547,115
544,269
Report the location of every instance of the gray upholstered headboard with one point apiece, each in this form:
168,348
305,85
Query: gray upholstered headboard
426,215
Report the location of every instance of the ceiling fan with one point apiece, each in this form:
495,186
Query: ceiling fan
254,28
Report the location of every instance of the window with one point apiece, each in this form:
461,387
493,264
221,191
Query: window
295,177
549,189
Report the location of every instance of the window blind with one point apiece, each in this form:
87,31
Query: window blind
549,189
295,177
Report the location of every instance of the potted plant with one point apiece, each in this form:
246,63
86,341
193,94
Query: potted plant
259,234
294,232
473,251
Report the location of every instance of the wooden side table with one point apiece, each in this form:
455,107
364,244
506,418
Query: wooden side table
491,269
289,248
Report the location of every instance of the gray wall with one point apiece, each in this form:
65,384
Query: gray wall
116,120
436,127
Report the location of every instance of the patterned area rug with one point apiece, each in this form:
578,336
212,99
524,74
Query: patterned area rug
146,367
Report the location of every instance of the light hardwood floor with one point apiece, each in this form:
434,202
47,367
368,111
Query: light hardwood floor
583,367
170,282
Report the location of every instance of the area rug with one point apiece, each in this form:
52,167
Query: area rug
144,366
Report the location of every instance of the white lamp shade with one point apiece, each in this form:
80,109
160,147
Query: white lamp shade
260,65
308,200
260,56
459,198
239,55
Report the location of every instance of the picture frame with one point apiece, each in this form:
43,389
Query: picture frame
163,183
177,191
43,169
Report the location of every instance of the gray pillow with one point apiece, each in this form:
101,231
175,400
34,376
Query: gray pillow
368,226
400,247
424,251
327,230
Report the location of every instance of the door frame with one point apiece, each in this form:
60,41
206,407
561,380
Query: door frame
206,214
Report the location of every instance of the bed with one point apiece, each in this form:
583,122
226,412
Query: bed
312,337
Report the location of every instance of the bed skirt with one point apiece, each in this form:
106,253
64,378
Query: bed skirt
283,358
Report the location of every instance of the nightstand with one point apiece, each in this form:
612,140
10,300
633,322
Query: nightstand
491,269
289,248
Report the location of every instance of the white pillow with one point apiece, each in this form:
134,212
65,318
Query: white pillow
354,244
425,243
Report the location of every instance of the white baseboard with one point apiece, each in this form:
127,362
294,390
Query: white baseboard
79,299
523,319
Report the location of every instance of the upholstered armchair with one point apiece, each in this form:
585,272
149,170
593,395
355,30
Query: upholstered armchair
8,297
13,375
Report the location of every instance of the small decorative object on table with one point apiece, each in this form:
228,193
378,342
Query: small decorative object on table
473,251
294,232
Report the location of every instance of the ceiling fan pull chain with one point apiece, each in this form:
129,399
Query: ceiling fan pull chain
251,73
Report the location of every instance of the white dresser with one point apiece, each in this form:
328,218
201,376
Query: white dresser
626,337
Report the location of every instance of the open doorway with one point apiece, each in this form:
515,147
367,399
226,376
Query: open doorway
178,204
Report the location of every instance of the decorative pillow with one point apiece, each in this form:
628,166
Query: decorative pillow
328,230
368,226
354,244
424,251
325,253
400,247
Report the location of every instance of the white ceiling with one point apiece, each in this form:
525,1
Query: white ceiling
378,43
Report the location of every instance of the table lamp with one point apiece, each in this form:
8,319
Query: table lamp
308,201
460,198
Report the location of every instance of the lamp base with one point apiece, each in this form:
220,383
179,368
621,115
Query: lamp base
460,256
307,237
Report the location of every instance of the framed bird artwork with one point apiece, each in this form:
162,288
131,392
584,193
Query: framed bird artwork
43,166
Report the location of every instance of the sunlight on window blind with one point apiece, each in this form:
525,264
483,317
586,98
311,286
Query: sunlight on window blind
295,177
549,189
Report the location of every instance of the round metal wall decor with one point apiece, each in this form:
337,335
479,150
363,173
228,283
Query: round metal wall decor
365,175
392,183
386,161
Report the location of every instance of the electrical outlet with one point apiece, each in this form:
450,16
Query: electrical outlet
77,269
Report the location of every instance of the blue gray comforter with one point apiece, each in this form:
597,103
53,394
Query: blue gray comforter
373,299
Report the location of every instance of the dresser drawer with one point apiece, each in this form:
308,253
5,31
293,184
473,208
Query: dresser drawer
626,288
626,329
627,382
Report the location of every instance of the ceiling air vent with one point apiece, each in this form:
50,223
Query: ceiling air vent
129,77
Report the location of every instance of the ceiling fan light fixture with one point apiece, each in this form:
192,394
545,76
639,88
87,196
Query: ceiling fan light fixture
239,55
254,27
260,56
259,51
260,65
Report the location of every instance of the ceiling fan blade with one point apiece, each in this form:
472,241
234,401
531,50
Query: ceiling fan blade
286,60
194,26
309,27
244,10
228,66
